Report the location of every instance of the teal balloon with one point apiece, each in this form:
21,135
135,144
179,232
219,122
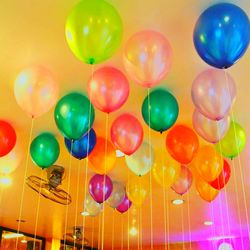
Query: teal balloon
44,150
74,115
160,110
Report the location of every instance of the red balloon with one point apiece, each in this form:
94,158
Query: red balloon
126,133
184,181
7,138
182,143
223,178
108,89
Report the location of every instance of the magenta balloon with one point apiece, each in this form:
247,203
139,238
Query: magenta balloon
100,187
213,93
210,130
124,205
183,182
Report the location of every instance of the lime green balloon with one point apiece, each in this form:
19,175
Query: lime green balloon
74,115
163,109
44,150
93,31
233,142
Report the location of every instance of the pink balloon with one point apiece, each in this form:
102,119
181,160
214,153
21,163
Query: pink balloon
210,130
127,133
184,181
124,205
213,93
147,57
108,89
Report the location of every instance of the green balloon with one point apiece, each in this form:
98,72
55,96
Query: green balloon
93,31
74,115
163,108
44,150
233,142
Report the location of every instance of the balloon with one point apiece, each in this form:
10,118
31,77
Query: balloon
182,143
126,133
91,207
221,35
108,89
74,115
166,173
36,90
213,93
137,189
102,158
7,138
208,163
117,195
11,161
44,150
163,109
183,182
93,31
205,191
100,187
210,130
82,147
142,160
125,205
233,142
147,57
223,178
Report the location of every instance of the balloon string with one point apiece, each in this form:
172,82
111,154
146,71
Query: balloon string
122,235
38,209
68,189
77,197
168,218
239,161
212,226
87,157
150,178
226,200
128,209
139,229
99,230
92,236
182,228
113,228
189,222
24,180
105,172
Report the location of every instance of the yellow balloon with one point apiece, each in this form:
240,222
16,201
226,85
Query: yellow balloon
205,191
208,163
142,160
137,189
36,90
166,174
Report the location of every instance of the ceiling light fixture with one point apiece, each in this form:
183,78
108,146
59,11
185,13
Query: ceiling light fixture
208,223
12,235
177,201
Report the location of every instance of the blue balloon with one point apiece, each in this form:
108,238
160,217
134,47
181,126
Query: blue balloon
221,35
82,147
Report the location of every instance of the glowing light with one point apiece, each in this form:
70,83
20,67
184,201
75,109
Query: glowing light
5,181
225,246
84,213
24,241
119,153
226,19
12,235
177,201
208,223
133,231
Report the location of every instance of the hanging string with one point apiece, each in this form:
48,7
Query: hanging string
87,158
168,218
68,189
24,179
212,226
141,227
77,196
38,208
139,230
113,229
150,179
105,171
122,235
99,230
182,228
189,222
92,236
128,209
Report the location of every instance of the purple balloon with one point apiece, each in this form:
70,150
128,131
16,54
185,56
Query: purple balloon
100,187
124,205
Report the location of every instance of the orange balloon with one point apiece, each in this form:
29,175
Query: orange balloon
127,133
208,163
182,143
108,89
102,161
205,191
